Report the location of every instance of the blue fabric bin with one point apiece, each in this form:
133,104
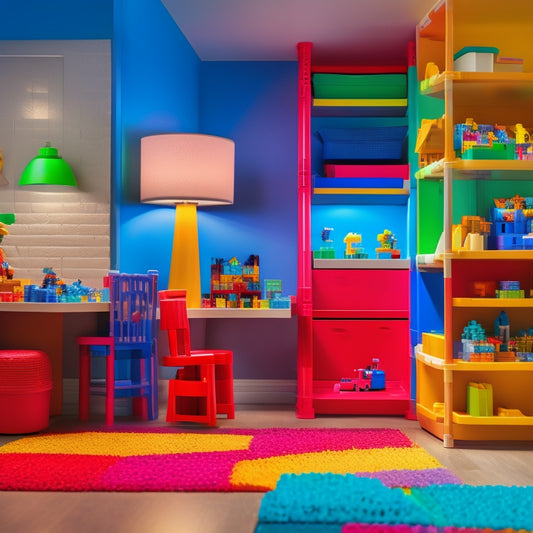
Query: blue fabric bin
363,143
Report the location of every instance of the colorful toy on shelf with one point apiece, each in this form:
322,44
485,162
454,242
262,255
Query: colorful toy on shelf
237,285
326,251
234,284
502,328
524,146
476,346
479,399
10,289
483,141
388,245
430,141
368,379
352,251
470,234
54,289
512,223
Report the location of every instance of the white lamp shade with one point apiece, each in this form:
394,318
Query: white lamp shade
185,167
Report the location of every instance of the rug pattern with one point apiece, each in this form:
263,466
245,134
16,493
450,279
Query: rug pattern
170,459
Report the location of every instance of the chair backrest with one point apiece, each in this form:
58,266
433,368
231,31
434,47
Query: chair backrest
173,319
133,299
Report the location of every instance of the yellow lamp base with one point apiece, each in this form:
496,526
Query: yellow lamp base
185,262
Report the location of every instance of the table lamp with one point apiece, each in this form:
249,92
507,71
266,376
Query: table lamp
187,170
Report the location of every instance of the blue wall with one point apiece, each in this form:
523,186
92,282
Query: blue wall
255,104
163,87
155,73
57,19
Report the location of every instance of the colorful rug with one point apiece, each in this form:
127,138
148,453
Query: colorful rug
170,459
332,503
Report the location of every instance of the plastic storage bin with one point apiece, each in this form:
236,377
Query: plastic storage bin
360,86
376,143
25,390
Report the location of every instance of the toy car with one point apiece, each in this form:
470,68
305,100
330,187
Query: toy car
368,379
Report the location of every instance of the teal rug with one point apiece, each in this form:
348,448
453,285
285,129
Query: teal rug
332,503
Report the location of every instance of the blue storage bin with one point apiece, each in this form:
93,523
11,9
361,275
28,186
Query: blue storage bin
382,143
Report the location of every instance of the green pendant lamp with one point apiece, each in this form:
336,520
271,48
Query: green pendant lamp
48,168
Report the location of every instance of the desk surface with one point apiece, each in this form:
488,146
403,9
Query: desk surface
91,307
70,307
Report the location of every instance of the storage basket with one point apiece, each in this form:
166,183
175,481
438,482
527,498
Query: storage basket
381,143
359,85
25,391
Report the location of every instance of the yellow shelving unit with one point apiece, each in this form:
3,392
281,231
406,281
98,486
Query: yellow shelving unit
504,98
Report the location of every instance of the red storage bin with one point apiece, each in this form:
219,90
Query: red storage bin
25,391
341,346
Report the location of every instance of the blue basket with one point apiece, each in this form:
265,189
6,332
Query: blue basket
363,143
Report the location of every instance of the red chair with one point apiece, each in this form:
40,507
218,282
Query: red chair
203,386
130,350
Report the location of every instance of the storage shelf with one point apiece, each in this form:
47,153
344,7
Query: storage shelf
394,400
512,255
338,107
342,304
361,264
466,187
467,366
362,197
429,413
500,84
466,419
493,302
367,314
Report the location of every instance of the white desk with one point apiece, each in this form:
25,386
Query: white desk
40,326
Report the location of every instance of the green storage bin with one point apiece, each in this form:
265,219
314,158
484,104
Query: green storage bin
360,85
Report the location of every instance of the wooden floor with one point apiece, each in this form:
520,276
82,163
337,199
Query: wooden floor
36,512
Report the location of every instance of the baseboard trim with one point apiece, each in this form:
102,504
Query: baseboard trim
246,391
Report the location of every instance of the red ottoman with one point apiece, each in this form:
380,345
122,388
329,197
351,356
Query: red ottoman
25,390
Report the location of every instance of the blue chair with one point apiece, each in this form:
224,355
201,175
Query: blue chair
130,350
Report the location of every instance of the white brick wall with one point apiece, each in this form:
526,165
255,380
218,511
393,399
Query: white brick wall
57,91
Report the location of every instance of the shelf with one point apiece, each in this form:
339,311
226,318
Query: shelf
467,366
490,169
430,360
429,263
394,400
466,419
361,314
54,307
481,255
501,85
360,196
351,107
526,303
359,264
428,413
221,312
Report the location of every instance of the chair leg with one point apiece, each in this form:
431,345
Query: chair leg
110,387
208,373
85,377
224,383
192,397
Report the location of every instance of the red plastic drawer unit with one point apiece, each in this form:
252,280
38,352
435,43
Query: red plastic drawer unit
340,346
386,292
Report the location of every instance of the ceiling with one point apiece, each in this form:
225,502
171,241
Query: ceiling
349,31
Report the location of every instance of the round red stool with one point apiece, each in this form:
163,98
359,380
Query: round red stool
25,390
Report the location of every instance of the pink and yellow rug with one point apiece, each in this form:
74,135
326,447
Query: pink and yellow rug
171,459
